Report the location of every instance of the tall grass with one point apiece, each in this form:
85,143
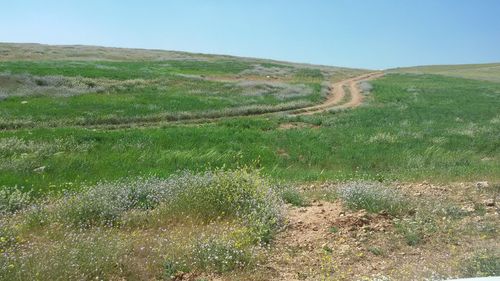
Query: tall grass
39,94
413,128
211,222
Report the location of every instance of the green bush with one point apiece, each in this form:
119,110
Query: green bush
375,250
13,199
240,195
374,198
105,203
293,196
416,228
7,237
483,264
233,213
310,73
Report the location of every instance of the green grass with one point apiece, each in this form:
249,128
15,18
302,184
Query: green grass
95,202
488,72
129,106
376,251
96,92
121,70
413,128
482,264
294,197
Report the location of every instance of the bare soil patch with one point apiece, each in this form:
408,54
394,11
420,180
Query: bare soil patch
326,241
337,94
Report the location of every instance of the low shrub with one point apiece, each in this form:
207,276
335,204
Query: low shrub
213,221
105,203
292,196
239,195
7,237
416,228
374,198
171,269
13,199
365,87
77,256
375,250
220,255
483,264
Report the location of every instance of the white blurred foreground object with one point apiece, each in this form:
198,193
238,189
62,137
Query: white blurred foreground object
493,278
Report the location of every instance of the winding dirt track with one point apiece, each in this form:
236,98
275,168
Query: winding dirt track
337,95
336,100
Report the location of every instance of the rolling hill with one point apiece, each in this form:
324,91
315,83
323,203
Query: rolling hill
487,72
129,164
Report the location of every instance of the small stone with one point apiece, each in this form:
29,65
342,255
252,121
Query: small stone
315,228
482,184
39,169
24,102
489,202
383,213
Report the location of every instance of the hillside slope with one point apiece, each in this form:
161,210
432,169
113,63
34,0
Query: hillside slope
54,86
488,72
121,164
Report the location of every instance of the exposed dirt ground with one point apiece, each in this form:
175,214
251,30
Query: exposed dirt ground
337,94
326,241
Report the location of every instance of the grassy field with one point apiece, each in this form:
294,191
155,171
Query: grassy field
104,149
488,72
56,93
413,128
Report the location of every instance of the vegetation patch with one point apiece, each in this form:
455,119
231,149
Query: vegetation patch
483,264
209,222
293,196
92,141
374,198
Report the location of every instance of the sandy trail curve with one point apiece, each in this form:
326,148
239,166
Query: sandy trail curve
337,94
335,100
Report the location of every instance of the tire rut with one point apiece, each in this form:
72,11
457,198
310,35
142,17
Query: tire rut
333,101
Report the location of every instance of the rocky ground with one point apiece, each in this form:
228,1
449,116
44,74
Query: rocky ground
327,241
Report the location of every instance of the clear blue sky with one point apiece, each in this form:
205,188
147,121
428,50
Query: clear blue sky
369,33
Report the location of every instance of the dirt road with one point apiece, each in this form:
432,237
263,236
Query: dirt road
336,99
